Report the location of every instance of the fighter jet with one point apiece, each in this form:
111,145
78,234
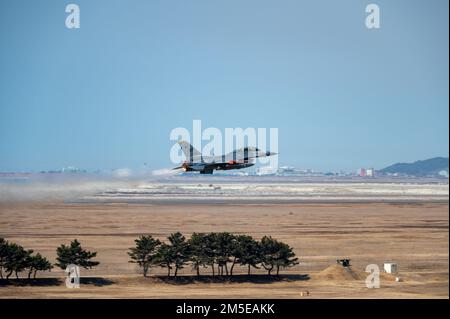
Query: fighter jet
241,158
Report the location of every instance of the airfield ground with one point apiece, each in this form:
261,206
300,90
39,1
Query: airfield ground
415,236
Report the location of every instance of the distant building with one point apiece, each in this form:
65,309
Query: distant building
286,170
443,173
362,172
390,268
266,170
69,169
366,172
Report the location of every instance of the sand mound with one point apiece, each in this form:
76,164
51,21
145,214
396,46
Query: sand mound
340,273
388,277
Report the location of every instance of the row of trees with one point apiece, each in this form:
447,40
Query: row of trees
16,259
219,251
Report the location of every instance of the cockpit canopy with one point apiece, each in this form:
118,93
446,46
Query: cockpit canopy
250,149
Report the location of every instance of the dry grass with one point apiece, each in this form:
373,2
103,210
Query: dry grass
415,236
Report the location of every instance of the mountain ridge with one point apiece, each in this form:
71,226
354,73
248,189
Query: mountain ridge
429,167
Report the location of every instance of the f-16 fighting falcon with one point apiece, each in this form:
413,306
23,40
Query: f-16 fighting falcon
241,158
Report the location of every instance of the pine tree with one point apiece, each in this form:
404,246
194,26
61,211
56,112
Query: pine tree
224,250
16,259
75,254
247,252
211,250
165,257
286,257
198,247
38,263
180,250
270,253
145,252
3,255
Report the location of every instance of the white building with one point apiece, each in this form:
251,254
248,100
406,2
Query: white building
390,268
266,170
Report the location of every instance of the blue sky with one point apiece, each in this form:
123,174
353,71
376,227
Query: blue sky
108,94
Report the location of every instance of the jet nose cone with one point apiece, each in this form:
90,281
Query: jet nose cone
270,153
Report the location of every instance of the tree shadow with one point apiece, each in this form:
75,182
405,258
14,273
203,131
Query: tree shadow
42,282
256,279
38,282
96,281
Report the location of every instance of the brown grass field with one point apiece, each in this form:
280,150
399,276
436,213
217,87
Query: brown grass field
413,235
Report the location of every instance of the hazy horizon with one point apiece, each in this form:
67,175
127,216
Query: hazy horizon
143,170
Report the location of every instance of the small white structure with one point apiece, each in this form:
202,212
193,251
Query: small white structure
390,268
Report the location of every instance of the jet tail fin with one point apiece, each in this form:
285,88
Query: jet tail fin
189,151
